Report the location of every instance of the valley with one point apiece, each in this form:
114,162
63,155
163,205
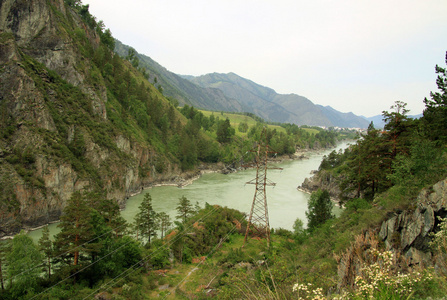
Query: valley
88,126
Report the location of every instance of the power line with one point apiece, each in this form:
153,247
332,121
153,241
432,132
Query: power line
97,237
211,252
66,252
165,246
259,218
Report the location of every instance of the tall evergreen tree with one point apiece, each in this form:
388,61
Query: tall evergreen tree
319,209
76,230
224,131
46,246
146,219
397,128
110,211
164,223
23,261
435,113
184,209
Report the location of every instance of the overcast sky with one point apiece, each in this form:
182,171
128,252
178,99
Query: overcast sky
355,55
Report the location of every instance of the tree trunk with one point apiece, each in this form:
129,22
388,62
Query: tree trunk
76,254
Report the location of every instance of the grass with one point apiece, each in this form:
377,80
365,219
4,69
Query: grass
236,119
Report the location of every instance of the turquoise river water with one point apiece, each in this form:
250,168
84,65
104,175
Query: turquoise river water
285,202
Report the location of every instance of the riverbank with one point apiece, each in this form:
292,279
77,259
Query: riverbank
185,179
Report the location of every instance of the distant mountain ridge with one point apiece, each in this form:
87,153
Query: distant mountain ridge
266,103
233,93
378,121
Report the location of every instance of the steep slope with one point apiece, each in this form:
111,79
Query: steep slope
233,93
73,117
254,98
266,103
181,89
343,119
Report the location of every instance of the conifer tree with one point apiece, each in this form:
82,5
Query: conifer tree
76,230
46,246
397,128
319,209
23,261
184,209
110,211
146,219
435,113
164,223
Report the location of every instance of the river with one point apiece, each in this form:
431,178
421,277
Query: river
285,202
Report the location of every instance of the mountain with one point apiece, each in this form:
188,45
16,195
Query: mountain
274,107
179,88
76,117
380,123
344,119
233,93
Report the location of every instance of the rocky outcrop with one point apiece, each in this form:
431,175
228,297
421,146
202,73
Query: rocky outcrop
409,231
406,233
42,62
321,180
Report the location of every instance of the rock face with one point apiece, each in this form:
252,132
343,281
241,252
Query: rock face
52,111
406,233
321,180
409,231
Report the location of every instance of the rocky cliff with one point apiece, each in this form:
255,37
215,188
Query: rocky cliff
58,124
407,234
323,180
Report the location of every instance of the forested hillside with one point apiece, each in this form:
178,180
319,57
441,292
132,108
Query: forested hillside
230,92
75,116
81,128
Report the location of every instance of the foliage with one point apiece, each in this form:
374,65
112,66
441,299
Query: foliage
146,219
22,266
164,223
424,165
46,247
435,113
439,244
184,209
380,280
319,209
76,231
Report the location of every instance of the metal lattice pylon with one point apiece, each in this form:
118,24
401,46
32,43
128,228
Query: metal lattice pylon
258,221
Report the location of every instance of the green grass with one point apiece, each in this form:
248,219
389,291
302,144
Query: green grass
311,130
236,119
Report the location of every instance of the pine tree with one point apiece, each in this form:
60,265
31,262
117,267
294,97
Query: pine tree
397,128
164,223
110,211
224,131
46,246
184,209
145,220
435,113
76,230
23,261
319,209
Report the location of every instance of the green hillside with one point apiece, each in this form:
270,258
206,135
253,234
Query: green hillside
83,128
75,116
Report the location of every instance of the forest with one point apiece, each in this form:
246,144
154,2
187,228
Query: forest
202,254
97,254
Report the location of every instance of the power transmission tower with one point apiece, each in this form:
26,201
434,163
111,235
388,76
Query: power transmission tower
258,220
